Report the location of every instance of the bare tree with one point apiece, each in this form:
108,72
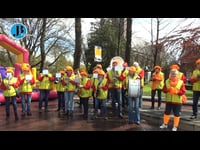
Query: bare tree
44,34
78,42
128,40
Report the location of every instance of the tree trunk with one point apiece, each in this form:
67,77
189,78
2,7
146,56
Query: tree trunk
157,52
78,42
128,40
42,42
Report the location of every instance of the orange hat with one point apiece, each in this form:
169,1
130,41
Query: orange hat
157,67
132,69
99,66
62,72
101,72
25,67
198,61
174,67
69,68
83,72
125,64
10,69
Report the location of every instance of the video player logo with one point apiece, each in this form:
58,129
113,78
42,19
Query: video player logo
18,31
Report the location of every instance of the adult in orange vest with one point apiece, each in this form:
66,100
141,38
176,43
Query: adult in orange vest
140,72
84,92
45,79
195,79
8,86
26,81
69,82
157,85
174,88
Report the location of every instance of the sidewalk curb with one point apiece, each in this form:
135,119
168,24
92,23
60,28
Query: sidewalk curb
185,124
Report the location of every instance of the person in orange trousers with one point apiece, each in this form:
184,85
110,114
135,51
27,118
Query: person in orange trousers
174,88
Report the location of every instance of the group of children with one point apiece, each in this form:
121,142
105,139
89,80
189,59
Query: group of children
127,80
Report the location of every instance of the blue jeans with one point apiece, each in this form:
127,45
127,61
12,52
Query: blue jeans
116,95
136,115
44,94
28,98
102,103
14,103
69,101
140,98
196,95
61,100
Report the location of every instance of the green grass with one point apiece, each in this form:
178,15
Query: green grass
147,91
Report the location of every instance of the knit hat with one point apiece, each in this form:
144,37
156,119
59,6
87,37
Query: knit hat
158,67
198,61
174,67
132,69
101,72
69,68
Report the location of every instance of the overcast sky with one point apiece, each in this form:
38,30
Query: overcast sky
141,26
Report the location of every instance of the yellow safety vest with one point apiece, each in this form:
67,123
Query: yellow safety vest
84,93
70,86
45,84
102,94
138,70
117,83
174,98
59,86
11,91
25,87
196,85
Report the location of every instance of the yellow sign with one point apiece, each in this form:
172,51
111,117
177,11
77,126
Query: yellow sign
97,52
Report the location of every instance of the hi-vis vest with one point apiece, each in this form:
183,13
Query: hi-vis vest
102,94
125,72
180,74
59,86
70,86
25,87
117,83
138,70
84,93
158,84
45,84
11,91
196,85
174,98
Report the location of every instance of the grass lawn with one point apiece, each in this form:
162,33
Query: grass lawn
147,91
